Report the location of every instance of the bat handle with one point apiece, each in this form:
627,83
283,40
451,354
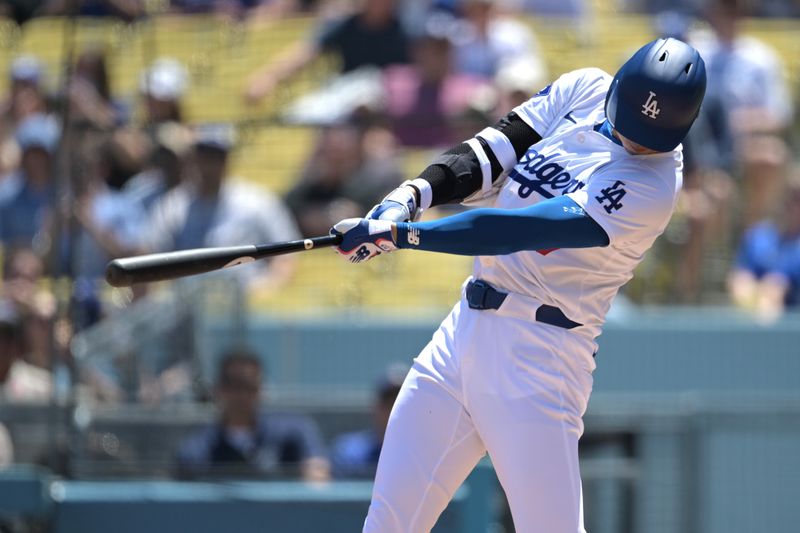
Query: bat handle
308,244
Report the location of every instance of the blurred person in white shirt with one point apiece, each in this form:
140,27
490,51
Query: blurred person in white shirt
19,381
214,209
489,40
747,78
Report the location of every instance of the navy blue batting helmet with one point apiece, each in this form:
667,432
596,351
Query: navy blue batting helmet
656,94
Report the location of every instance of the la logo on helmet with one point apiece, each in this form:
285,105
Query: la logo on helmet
650,107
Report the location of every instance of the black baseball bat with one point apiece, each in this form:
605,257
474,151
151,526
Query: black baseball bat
127,271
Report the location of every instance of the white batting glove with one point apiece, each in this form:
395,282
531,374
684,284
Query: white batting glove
363,239
400,205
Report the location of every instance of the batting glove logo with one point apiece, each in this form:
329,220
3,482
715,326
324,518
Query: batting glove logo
363,239
361,254
413,236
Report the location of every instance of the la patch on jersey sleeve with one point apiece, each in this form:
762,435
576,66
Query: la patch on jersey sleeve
629,207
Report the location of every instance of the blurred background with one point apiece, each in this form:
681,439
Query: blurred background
255,399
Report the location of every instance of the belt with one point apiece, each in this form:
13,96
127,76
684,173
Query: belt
481,295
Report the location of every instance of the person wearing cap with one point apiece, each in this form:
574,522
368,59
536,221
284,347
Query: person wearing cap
355,455
515,80
27,196
24,99
26,70
163,85
210,208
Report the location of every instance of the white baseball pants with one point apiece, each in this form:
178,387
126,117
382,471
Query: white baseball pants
488,382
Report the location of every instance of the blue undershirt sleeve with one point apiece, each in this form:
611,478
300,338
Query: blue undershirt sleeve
555,223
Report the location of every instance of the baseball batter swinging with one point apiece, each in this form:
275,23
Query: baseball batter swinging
578,182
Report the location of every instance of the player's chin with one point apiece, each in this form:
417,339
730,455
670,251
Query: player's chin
637,149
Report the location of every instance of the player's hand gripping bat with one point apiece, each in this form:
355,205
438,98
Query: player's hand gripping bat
127,271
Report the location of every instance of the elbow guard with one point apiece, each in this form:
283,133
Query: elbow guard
453,175
474,164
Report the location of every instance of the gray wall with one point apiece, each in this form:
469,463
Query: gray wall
710,397
656,351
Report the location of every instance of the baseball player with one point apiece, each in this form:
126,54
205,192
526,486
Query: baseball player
580,180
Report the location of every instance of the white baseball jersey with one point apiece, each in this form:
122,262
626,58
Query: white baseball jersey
630,196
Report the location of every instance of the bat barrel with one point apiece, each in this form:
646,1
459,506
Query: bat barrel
127,271
164,266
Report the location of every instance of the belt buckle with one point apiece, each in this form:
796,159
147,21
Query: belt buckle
476,294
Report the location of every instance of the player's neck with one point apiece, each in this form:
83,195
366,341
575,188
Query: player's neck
607,131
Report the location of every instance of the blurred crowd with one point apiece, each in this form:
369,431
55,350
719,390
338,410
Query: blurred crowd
86,177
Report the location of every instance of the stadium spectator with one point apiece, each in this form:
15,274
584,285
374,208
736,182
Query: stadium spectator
777,8
238,9
766,275
166,167
516,81
415,13
343,178
564,9
488,40
23,273
246,441
701,226
19,380
746,77
162,86
371,37
20,11
110,222
27,196
25,98
212,209
355,455
89,94
423,98
90,116
127,10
